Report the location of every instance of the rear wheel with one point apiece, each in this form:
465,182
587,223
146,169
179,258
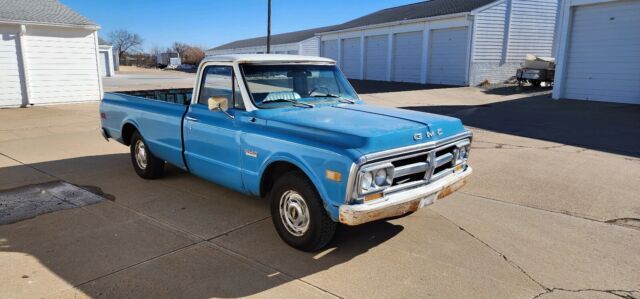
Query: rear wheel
144,162
298,213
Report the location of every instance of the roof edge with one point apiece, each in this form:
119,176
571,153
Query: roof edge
77,26
401,22
486,6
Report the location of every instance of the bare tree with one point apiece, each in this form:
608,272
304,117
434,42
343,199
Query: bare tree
179,48
124,41
193,55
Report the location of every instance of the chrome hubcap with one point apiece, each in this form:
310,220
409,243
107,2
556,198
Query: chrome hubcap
141,154
294,213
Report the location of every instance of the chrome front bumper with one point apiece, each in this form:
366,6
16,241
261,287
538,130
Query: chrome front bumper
401,203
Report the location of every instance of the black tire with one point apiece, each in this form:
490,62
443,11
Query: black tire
154,167
536,83
320,229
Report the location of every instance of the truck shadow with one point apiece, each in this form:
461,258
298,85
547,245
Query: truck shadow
608,127
178,237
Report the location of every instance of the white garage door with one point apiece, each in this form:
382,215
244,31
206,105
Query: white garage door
10,79
376,56
351,57
330,49
63,66
407,56
104,63
448,56
603,61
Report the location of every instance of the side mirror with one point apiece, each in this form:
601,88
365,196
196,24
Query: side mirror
218,103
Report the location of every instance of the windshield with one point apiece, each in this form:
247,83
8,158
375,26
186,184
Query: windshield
275,86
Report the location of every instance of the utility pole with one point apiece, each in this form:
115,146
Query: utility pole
269,28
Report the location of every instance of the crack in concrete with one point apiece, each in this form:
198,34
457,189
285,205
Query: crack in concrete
253,262
562,212
510,262
627,294
633,223
580,149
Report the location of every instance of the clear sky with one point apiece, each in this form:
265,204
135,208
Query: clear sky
210,23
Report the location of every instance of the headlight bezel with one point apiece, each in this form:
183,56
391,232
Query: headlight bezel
460,159
372,169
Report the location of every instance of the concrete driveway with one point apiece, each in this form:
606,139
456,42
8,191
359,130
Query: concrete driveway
133,78
551,212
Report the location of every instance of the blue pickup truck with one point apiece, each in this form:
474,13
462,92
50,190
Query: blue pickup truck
291,129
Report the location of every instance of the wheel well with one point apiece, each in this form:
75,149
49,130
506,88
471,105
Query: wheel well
273,172
127,132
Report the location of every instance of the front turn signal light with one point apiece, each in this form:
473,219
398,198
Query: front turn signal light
333,175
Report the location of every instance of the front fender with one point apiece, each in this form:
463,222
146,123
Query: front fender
331,192
312,161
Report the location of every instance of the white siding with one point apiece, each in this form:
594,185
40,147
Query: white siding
376,55
310,47
62,65
351,57
407,56
489,34
503,36
11,78
447,56
603,59
330,49
532,28
281,48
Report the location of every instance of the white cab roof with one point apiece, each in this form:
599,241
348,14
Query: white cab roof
266,58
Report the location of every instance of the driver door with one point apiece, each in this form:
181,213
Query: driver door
211,137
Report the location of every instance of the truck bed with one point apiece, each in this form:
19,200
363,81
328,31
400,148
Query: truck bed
177,95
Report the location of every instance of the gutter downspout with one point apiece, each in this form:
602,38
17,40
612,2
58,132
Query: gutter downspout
24,65
507,30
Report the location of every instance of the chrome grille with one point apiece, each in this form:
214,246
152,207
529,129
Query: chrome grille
423,167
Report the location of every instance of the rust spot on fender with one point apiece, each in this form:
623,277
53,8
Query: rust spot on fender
452,188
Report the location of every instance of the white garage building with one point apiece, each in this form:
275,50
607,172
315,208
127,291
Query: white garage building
452,42
303,42
48,54
106,60
599,51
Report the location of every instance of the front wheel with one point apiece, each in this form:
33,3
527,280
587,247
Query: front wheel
144,162
298,213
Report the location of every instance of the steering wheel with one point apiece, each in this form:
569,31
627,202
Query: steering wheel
318,88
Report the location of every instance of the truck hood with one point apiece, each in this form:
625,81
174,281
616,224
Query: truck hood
364,128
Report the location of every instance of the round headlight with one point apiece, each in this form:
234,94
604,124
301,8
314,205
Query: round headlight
381,177
367,179
463,154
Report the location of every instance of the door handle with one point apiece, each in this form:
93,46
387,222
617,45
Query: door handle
191,119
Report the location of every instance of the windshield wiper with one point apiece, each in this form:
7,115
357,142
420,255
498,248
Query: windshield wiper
335,96
295,103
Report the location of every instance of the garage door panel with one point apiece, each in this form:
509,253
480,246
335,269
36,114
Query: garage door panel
57,60
407,56
351,57
603,59
448,56
376,57
330,49
103,58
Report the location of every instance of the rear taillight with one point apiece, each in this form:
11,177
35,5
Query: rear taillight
103,115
